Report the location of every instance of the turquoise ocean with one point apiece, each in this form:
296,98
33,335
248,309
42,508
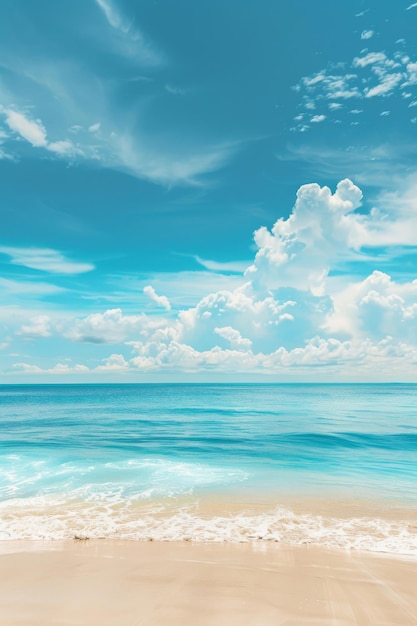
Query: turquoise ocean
333,465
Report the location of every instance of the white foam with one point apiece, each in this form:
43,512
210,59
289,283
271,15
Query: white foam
40,518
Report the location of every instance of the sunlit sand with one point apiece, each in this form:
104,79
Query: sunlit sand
140,583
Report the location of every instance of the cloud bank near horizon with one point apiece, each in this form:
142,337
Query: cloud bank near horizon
299,309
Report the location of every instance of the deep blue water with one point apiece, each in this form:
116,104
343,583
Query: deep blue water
119,443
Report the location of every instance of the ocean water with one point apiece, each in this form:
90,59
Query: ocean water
334,465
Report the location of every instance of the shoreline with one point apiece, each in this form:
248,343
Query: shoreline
113,582
372,526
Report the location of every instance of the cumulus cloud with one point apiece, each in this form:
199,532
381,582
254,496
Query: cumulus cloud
290,312
59,368
113,363
234,338
159,300
293,312
376,308
300,250
112,326
38,326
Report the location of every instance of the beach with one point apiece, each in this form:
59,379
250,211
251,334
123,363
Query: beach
213,504
127,583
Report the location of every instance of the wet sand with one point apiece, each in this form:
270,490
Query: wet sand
103,583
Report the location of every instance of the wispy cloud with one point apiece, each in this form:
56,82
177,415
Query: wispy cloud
375,165
21,287
128,29
112,142
237,267
175,91
45,260
77,114
412,6
112,15
174,166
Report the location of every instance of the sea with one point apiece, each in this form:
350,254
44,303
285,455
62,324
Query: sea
323,464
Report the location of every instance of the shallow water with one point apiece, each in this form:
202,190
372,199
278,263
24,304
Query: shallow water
134,461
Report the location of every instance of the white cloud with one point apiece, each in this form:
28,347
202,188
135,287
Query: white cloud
299,251
38,326
59,368
286,318
369,75
113,16
113,363
111,327
75,129
94,128
30,288
225,266
294,313
412,6
175,91
64,148
370,59
387,85
140,159
6,155
376,308
72,99
32,130
45,260
159,300
142,49
367,34
318,118
411,75
124,151
292,326
233,336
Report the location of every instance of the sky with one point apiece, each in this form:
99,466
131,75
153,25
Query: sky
208,191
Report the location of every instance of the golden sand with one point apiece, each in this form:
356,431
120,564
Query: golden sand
103,583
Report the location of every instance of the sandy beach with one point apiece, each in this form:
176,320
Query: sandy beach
131,583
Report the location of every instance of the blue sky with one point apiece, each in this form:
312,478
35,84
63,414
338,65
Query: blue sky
208,190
